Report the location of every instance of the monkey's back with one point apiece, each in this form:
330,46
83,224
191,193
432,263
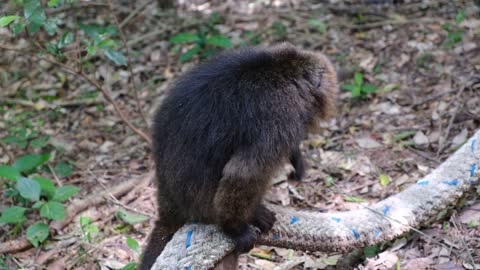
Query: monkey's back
222,106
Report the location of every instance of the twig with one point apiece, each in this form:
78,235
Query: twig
94,83
442,139
115,200
56,104
55,175
452,218
98,197
132,14
131,78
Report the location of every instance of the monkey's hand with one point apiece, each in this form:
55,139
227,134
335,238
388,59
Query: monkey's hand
263,218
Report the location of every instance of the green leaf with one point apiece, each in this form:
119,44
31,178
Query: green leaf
390,88
91,50
190,54
34,28
130,266
356,91
117,57
28,189
133,244
321,26
33,11
354,199
384,180
20,142
130,218
29,162
64,193
9,172
349,87
63,169
17,27
358,78
40,142
65,39
53,3
184,38
51,25
84,221
53,210
219,41
369,88
404,135
460,17
472,224
107,43
13,215
37,233
371,251
46,185
6,20
38,204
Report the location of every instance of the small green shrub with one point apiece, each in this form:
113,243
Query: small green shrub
359,88
204,43
455,32
32,193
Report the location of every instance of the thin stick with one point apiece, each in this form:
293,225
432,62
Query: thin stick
55,175
133,14
115,200
96,84
131,78
450,123
472,261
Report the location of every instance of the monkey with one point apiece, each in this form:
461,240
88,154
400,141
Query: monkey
222,131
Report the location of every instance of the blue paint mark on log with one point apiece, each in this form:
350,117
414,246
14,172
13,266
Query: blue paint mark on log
422,182
356,234
336,219
386,209
472,146
294,220
378,232
473,169
189,238
453,182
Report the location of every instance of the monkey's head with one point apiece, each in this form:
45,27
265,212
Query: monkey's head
315,79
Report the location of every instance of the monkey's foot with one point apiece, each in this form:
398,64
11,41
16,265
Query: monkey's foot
263,219
244,238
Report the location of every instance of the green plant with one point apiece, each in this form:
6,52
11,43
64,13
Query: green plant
455,32
318,25
32,193
27,135
359,88
96,37
88,229
204,43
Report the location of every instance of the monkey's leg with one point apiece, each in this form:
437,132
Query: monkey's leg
161,234
245,179
298,164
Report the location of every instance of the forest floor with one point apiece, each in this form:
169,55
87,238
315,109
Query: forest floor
422,58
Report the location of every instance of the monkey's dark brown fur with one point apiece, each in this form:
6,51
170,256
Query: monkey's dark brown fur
224,128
